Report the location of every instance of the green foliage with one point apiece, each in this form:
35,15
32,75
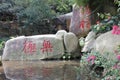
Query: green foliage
35,16
82,42
88,2
61,6
67,56
2,45
2,42
5,6
36,11
106,24
103,66
39,13
81,2
22,3
118,3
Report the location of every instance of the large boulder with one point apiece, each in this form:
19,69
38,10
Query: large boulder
80,21
33,48
107,42
41,46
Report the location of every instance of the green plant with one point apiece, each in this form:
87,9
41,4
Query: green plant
82,42
81,2
22,3
37,15
118,3
2,42
36,11
61,6
106,24
101,65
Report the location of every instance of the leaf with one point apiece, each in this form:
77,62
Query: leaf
98,14
102,16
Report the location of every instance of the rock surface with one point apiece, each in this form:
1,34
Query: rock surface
33,48
71,42
107,45
61,33
41,46
89,41
107,42
80,21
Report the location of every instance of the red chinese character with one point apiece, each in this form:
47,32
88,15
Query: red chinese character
82,23
29,47
46,47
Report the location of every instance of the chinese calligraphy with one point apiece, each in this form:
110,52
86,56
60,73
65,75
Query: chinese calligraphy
47,47
29,47
84,16
83,23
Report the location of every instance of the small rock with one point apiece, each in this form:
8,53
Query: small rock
80,21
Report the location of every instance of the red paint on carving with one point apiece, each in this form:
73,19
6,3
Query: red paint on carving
82,23
29,47
47,47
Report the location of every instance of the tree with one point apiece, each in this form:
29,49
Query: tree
61,6
36,15
36,11
39,13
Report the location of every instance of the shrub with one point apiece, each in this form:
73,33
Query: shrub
101,65
106,24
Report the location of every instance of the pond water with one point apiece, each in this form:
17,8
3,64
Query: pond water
40,70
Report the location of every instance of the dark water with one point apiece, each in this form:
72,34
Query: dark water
40,70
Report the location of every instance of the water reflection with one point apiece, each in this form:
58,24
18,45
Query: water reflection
40,70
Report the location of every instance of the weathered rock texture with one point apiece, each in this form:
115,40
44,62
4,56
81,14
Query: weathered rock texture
80,21
61,33
107,42
40,46
71,42
33,48
89,42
